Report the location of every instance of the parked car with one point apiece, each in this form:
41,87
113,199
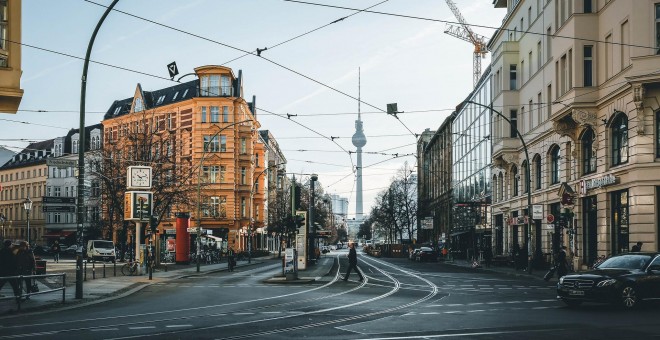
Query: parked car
622,279
325,249
101,250
41,250
425,254
71,250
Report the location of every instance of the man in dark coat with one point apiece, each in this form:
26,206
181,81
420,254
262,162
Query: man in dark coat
562,262
637,247
8,267
25,262
55,249
352,262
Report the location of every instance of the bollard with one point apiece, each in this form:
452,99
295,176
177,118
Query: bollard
114,267
93,270
104,269
85,272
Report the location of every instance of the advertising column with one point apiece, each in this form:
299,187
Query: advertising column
182,238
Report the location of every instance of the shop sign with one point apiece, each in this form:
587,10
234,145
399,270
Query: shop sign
599,182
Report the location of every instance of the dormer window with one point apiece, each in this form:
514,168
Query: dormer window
75,146
184,93
117,110
160,100
175,95
138,107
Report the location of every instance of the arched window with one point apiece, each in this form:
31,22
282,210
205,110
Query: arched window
588,154
523,175
495,188
620,139
500,184
554,165
515,180
537,171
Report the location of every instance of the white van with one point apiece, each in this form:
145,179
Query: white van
101,250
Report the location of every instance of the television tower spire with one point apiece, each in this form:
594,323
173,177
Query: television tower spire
359,140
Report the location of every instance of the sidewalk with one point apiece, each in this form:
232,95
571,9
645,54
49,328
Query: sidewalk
537,274
102,289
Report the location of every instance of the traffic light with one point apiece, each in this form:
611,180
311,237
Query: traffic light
153,223
301,219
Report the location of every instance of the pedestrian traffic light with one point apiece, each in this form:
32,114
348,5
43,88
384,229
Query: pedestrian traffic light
301,219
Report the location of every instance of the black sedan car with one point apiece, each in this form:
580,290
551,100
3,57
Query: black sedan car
622,279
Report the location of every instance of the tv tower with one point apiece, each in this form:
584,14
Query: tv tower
359,140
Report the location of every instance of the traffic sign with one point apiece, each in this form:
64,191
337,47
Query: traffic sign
550,218
52,199
537,211
59,208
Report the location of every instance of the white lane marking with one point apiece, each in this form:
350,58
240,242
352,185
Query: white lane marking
271,312
243,313
177,326
142,327
103,329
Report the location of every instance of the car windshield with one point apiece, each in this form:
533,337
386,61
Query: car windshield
103,244
626,262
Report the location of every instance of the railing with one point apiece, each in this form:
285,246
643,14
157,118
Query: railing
21,280
217,91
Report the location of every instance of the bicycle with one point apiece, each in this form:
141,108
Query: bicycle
168,257
129,268
598,261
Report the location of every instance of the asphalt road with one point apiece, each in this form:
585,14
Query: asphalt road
399,300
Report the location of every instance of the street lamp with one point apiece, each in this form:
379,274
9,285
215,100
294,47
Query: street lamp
27,204
529,181
310,220
199,188
2,219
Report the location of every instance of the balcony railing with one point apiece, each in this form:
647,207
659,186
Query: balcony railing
217,91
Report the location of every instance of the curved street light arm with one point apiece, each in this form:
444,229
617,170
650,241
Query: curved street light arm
529,184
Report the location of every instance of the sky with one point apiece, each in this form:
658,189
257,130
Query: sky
408,61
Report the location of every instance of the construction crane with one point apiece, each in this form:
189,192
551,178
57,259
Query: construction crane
464,32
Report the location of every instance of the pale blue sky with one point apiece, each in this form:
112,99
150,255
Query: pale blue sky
410,62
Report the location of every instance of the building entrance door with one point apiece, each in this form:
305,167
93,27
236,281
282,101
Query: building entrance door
590,232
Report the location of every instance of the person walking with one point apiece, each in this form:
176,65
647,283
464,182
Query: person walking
562,262
55,249
8,267
230,259
637,247
26,264
352,262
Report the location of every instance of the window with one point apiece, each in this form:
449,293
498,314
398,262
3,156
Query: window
537,171
523,173
548,43
515,181
512,77
539,56
203,114
211,144
657,28
226,86
513,116
539,107
138,107
522,72
529,65
243,207
588,154
243,175
549,100
608,56
74,146
223,143
225,114
555,165
175,95
215,114
620,139
160,100
58,192
529,17
625,44
588,66
4,18
620,226
170,122
210,85
218,206
587,6
212,174
243,145
657,134
563,75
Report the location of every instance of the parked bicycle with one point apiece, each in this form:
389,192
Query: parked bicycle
598,261
168,257
130,268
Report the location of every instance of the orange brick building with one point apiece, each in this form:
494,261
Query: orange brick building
209,129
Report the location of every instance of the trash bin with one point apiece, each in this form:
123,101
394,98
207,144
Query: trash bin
40,269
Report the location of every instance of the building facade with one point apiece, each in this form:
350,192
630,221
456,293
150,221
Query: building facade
471,231
10,56
579,82
210,134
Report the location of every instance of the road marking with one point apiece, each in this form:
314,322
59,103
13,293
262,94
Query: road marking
243,313
177,326
271,312
103,329
142,327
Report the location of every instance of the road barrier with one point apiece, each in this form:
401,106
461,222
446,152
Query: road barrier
21,280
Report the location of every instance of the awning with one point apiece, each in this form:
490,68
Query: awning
59,234
460,233
217,239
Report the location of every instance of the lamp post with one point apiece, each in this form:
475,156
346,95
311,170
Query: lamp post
27,204
529,184
310,219
2,219
199,188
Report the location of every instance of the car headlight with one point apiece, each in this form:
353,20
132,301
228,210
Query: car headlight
606,283
561,280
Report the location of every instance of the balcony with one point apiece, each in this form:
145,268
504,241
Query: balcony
503,145
216,91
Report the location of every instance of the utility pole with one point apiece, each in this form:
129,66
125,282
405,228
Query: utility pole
310,220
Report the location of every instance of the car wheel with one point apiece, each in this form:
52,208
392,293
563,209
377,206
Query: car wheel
628,297
572,303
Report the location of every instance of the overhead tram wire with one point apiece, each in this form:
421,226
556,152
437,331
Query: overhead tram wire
254,54
466,24
309,32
